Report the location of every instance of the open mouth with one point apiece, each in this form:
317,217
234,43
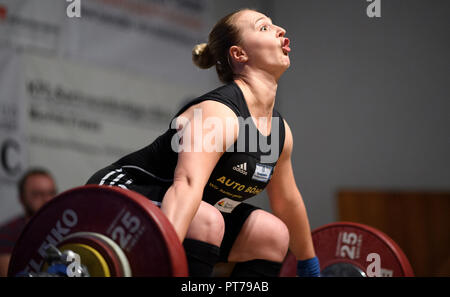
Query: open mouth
285,46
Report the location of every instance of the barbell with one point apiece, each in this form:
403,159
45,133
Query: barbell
104,231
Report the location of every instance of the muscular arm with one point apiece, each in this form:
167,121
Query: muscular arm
287,203
194,167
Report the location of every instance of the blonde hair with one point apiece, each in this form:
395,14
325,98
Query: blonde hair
224,35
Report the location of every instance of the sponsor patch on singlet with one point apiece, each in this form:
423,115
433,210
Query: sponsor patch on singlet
262,173
226,205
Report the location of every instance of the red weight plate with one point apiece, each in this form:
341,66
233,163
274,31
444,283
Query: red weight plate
140,228
351,243
289,268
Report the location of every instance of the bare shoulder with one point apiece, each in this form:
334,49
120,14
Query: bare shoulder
212,115
210,108
288,141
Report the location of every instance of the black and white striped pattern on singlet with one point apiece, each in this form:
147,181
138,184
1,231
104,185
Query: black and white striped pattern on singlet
116,178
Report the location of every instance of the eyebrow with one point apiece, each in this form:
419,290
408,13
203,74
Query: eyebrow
263,18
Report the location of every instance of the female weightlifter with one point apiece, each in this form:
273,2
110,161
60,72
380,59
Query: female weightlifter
200,184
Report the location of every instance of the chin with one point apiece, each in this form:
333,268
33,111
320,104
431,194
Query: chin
286,61
282,71
287,64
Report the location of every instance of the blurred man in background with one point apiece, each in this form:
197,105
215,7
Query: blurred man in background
35,188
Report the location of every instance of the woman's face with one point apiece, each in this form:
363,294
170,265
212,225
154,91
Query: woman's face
264,44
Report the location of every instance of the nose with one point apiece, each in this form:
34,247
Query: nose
281,32
49,195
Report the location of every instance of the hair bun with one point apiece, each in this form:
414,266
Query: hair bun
202,57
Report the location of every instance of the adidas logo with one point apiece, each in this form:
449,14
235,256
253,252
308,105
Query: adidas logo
241,168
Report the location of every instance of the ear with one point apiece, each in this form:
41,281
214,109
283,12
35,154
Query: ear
238,54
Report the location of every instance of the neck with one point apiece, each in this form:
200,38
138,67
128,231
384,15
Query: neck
259,90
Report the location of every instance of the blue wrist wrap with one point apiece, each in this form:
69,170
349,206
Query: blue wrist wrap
308,268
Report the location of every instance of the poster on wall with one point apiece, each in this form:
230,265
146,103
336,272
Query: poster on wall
80,119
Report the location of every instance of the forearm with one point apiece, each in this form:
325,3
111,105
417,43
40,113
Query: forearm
296,219
180,205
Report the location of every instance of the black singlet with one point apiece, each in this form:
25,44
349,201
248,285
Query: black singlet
242,172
